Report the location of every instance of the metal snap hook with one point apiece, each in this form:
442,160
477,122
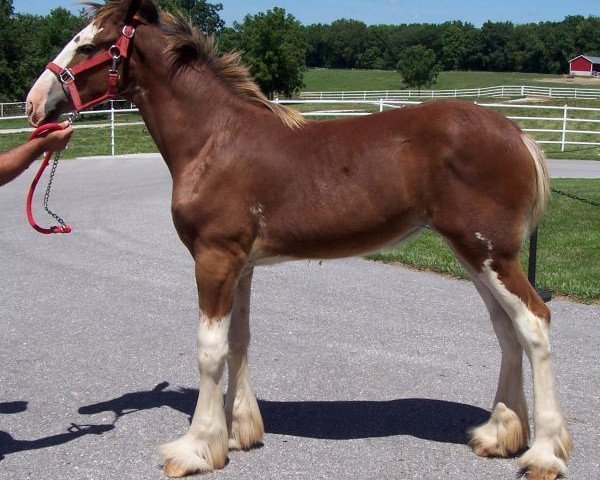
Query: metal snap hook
115,51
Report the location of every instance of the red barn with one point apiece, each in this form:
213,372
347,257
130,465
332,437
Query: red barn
585,65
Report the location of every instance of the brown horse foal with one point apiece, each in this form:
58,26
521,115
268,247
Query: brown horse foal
253,183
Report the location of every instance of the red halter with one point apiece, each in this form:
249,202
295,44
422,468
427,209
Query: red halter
121,49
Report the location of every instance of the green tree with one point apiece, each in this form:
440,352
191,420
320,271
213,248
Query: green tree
459,45
418,66
205,16
526,49
6,13
495,39
273,45
379,52
228,39
345,41
317,45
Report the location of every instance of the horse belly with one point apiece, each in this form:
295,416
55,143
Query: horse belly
331,236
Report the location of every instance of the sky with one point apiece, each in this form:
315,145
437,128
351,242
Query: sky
381,11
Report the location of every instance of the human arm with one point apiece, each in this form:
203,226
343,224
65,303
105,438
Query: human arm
15,161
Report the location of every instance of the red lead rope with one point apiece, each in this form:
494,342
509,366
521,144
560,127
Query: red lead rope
38,132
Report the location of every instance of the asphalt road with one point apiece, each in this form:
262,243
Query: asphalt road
574,168
363,371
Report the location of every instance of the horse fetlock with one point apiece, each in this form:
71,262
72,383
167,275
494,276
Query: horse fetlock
245,425
245,433
503,435
546,459
190,455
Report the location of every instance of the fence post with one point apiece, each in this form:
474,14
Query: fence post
564,128
381,104
545,295
112,128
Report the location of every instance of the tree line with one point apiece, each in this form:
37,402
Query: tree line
544,47
278,48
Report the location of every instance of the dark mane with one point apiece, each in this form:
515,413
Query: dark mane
186,45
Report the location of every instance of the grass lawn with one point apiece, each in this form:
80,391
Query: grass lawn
317,80
91,142
568,248
360,80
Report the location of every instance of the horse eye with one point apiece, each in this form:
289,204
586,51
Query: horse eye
86,49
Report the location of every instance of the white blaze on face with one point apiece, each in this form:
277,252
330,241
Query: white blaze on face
47,90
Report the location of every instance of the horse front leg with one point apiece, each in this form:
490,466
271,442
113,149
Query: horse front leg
205,445
244,421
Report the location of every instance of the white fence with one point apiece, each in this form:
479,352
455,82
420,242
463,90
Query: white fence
562,122
503,91
567,118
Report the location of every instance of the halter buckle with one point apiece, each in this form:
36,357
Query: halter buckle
66,76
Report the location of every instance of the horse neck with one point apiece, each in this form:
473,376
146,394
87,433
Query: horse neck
181,112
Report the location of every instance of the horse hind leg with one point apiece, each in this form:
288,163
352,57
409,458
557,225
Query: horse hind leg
507,431
504,277
530,320
517,312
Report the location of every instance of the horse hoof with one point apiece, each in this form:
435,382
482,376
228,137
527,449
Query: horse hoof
173,470
190,455
535,473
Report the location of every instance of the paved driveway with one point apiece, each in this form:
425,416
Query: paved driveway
574,168
363,371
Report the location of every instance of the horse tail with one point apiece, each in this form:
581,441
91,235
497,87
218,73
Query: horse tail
542,189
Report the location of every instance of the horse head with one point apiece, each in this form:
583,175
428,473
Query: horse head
95,65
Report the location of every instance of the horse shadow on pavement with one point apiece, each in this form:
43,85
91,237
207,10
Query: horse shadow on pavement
428,419
9,445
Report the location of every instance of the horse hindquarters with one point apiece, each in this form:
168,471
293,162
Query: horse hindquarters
485,229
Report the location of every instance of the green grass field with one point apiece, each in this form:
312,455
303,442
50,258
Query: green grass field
317,80
568,247
361,80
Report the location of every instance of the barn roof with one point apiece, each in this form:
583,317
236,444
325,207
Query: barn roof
589,58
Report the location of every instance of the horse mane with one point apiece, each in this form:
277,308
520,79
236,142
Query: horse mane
186,45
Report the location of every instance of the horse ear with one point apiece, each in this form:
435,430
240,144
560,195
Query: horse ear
145,9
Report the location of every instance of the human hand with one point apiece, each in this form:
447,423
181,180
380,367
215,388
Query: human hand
56,140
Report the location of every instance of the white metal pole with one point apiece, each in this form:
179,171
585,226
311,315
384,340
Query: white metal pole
381,104
564,129
112,128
